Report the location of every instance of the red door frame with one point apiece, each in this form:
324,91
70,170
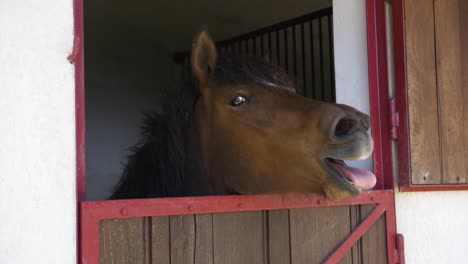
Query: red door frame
90,213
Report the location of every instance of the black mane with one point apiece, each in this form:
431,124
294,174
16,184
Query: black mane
158,164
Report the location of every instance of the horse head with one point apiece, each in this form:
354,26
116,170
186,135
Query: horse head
254,134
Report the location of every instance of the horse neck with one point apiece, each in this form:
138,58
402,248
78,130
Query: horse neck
198,180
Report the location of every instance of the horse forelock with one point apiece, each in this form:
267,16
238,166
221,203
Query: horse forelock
250,71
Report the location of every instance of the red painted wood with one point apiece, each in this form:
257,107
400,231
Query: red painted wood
401,91
76,49
378,92
115,209
89,238
390,218
400,242
77,57
426,188
356,234
79,102
379,101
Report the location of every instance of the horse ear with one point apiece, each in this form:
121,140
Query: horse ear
204,57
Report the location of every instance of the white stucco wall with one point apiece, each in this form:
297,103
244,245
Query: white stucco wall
37,133
435,226
351,72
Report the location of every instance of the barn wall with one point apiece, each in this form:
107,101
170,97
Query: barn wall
37,133
434,223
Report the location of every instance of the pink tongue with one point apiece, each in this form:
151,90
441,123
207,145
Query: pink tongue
362,179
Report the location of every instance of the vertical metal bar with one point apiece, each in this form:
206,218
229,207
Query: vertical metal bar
247,42
278,48
286,59
294,52
254,42
313,92
322,73
262,50
332,59
270,55
304,79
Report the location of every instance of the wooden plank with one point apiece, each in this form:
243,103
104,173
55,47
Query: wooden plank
204,239
355,219
374,242
447,28
182,243
182,239
464,56
422,92
124,241
278,237
238,238
160,237
315,232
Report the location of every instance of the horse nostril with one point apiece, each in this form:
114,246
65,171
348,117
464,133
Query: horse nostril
344,127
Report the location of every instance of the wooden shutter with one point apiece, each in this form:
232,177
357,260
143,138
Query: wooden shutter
437,88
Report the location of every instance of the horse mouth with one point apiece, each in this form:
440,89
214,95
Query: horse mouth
352,179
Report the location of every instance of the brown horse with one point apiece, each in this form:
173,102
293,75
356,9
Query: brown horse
244,130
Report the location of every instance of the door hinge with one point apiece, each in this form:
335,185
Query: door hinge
394,118
76,49
399,249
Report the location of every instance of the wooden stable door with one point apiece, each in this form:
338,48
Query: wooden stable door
267,229
436,34
276,237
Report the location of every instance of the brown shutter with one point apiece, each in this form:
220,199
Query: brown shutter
436,52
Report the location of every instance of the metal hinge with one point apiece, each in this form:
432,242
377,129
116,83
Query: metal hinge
399,249
394,118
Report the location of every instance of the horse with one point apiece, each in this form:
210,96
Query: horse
240,128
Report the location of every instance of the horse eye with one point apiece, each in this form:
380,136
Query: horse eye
238,100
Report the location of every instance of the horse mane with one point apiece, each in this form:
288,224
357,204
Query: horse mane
157,164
